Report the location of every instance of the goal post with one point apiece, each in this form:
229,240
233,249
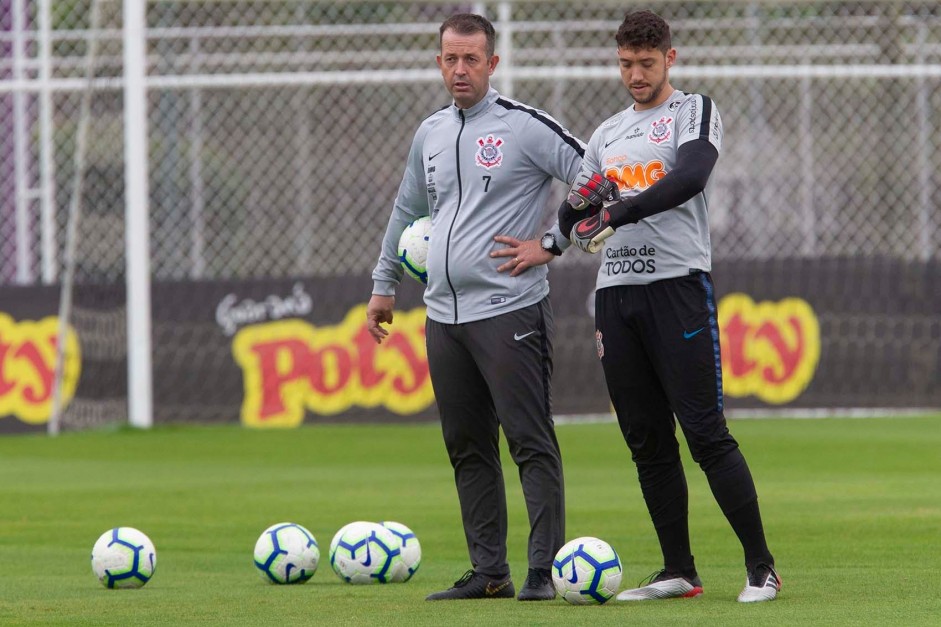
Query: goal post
74,218
137,220
137,242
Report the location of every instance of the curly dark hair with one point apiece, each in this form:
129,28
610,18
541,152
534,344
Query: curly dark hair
468,24
644,30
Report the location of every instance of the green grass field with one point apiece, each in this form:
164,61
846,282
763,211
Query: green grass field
852,510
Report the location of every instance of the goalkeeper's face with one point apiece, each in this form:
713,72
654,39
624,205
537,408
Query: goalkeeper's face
465,67
646,74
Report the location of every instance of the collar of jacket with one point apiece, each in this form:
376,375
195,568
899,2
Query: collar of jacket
485,103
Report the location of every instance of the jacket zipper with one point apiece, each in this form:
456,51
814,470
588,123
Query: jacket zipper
460,196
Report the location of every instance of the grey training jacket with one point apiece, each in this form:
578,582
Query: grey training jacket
478,172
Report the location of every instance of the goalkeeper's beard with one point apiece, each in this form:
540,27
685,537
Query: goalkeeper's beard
655,92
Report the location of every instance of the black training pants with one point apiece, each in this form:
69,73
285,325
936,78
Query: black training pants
659,348
489,374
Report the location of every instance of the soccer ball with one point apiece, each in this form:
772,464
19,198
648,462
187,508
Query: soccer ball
413,248
410,549
286,553
586,571
365,552
123,557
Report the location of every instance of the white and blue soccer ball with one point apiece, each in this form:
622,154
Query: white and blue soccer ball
413,248
403,569
365,552
586,571
286,553
123,557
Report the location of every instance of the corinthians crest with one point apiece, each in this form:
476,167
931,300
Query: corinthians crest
489,154
660,131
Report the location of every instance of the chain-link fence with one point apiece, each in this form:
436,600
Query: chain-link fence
278,130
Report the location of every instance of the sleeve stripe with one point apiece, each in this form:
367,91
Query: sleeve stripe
552,124
706,118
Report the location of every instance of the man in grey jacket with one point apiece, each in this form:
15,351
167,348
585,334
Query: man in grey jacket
481,167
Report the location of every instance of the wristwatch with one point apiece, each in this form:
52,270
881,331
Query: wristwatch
548,243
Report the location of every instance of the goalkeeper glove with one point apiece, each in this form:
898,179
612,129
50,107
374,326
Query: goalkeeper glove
590,190
568,216
589,234
588,193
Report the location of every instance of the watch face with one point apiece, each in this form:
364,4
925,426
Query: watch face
548,241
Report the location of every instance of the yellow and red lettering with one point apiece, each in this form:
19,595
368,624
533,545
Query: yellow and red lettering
291,366
27,367
638,176
769,349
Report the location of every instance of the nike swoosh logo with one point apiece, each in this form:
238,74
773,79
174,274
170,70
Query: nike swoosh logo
491,589
590,224
368,560
688,334
574,577
612,141
518,337
435,155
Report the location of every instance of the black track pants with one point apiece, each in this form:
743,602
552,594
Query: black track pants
489,374
659,348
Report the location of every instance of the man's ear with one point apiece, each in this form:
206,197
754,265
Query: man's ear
671,57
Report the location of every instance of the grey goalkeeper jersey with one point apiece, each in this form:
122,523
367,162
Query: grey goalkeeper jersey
478,172
638,148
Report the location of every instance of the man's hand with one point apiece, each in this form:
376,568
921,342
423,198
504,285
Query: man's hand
525,254
379,310
568,217
592,190
589,234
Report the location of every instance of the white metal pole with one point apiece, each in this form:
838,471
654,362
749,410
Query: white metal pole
923,108
807,205
197,188
24,257
137,212
505,47
47,180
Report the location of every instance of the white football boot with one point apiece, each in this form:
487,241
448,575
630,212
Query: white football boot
664,585
762,584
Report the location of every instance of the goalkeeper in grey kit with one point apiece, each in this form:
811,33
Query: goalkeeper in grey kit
640,201
481,167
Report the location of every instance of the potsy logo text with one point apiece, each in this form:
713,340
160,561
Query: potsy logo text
770,350
290,367
27,367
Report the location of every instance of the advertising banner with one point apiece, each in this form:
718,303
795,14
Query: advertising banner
278,353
